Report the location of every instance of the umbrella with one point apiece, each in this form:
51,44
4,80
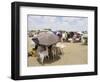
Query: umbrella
47,38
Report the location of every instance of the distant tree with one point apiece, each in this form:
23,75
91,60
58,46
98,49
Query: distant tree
48,29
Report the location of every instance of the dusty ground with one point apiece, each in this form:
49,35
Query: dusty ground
73,53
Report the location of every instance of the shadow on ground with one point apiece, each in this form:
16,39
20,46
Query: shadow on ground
50,60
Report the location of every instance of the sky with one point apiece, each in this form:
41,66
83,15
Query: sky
67,23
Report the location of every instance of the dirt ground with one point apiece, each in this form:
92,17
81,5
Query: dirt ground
73,53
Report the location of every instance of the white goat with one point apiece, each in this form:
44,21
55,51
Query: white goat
43,54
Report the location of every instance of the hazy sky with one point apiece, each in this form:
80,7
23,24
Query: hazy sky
57,23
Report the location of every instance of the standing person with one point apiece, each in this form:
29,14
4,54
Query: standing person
59,34
64,36
74,37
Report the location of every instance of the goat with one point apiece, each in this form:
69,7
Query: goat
60,47
54,51
42,54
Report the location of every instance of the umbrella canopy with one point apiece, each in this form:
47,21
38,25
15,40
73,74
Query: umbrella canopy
47,38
